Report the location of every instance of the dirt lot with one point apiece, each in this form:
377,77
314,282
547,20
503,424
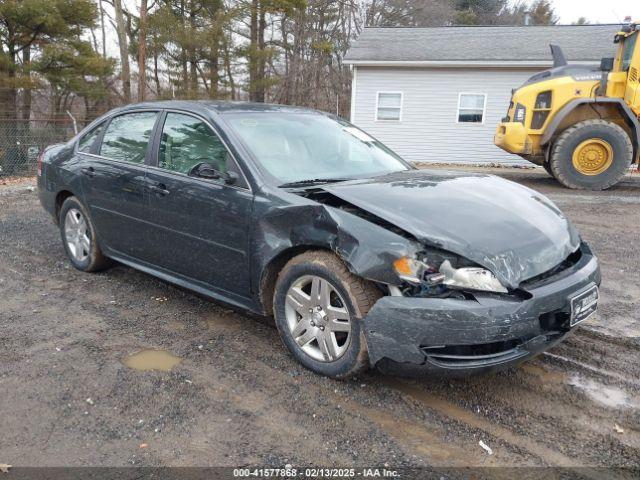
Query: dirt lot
237,398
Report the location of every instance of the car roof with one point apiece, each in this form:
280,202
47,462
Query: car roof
217,106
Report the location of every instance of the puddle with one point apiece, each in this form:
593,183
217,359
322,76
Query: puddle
609,396
547,376
152,360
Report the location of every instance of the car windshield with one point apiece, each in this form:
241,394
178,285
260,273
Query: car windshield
309,147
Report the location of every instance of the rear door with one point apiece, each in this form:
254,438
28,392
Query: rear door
114,183
200,226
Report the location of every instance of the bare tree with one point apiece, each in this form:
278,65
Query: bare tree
142,52
124,51
103,31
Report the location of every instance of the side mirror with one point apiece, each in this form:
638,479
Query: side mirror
204,170
230,178
606,64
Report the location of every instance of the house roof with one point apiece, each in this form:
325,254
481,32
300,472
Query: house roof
499,45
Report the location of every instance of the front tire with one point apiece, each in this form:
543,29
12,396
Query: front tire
318,307
79,237
591,155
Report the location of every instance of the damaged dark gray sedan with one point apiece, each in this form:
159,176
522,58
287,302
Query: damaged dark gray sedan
362,259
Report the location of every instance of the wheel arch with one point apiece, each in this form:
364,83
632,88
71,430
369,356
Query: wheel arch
598,106
274,267
61,196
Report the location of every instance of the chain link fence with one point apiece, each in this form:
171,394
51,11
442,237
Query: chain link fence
21,141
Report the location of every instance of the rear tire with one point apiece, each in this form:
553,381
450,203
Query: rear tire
591,155
547,168
324,335
79,237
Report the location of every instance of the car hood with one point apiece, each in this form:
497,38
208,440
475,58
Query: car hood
513,231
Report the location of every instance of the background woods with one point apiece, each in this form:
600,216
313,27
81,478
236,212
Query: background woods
63,58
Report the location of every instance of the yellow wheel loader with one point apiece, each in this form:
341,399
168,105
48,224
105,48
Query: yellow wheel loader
580,123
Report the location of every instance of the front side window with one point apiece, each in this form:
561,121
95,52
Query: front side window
297,147
186,142
127,137
627,54
389,106
471,107
86,142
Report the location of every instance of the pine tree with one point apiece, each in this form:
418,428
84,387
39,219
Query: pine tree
27,23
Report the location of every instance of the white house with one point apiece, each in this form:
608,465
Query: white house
437,94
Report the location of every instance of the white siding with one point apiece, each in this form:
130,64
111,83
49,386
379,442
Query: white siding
429,131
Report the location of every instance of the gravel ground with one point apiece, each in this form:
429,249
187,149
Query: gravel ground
237,398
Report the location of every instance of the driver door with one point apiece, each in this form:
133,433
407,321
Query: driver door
201,225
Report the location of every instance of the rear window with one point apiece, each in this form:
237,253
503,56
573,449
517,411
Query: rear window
127,137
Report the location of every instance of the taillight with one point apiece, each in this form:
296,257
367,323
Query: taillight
39,170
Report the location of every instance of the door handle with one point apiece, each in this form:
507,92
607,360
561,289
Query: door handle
89,172
159,189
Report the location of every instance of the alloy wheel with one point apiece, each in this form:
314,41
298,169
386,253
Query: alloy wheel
318,318
77,235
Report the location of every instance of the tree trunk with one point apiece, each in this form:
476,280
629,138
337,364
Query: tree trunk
124,51
156,77
104,34
227,67
262,61
26,68
253,51
213,70
193,75
142,52
193,56
183,55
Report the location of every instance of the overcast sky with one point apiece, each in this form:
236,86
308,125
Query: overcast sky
596,11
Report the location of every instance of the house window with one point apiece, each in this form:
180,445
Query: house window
389,106
471,107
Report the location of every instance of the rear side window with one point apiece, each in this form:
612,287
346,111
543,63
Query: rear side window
87,141
127,137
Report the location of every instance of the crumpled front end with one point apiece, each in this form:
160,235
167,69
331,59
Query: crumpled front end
482,331
511,230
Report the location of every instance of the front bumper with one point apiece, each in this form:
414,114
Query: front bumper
492,331
512,137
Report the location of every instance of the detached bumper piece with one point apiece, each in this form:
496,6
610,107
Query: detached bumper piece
455,337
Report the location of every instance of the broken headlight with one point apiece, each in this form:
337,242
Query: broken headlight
475,278
438,271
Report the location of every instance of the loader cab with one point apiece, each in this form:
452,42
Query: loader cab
627,50
627,64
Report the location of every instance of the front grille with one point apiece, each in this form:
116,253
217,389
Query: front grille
466,356
633,75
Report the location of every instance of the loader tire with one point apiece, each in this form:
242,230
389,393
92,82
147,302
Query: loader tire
591,155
